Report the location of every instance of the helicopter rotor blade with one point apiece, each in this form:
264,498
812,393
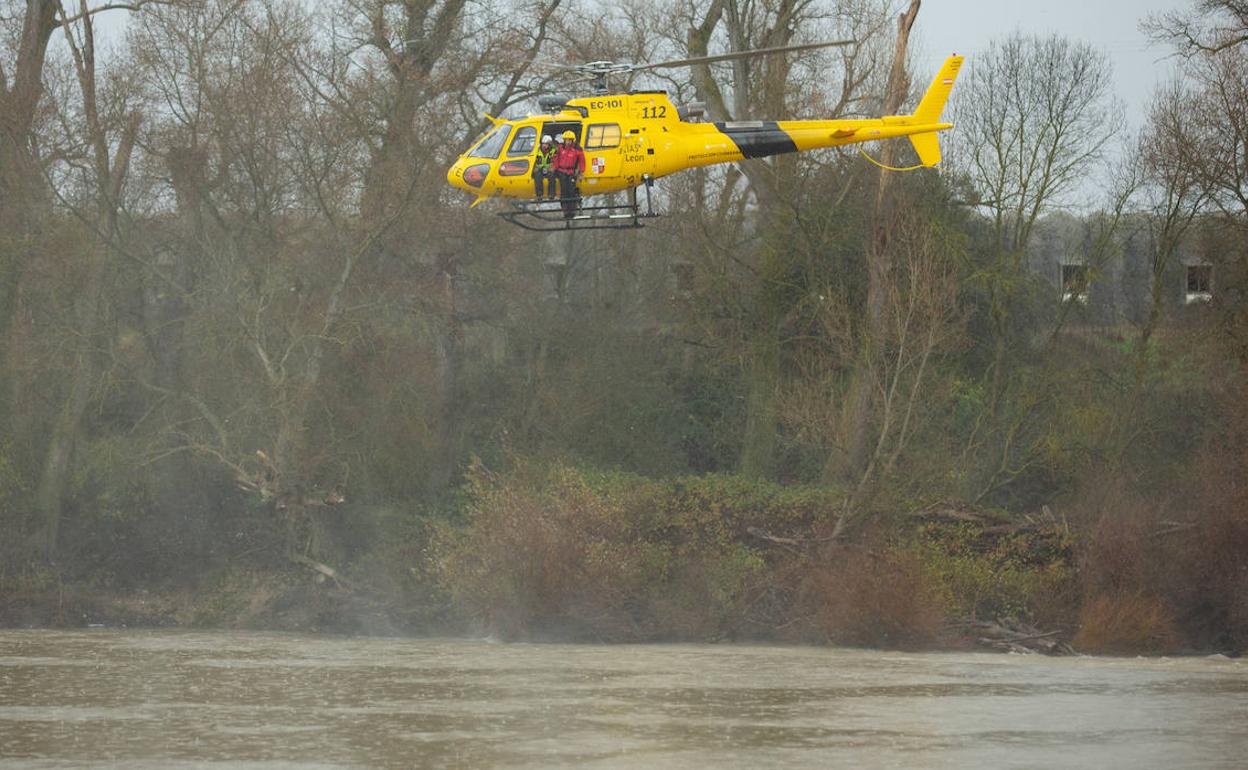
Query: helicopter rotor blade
554,66
741,54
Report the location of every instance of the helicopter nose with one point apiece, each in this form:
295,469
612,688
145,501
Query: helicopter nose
469,176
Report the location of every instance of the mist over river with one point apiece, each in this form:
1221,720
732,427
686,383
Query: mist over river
149,699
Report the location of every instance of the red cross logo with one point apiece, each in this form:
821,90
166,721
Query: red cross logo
598,165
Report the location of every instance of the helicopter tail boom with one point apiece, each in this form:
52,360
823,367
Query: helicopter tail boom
760,139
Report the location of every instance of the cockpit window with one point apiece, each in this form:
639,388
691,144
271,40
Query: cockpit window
522,143
491,145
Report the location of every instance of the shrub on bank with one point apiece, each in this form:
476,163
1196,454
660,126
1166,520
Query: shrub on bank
568,553
1130,624
980,574
1161,575
875,599
562,553
557,552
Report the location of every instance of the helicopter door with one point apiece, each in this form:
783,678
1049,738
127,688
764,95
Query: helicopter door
554,128
606,163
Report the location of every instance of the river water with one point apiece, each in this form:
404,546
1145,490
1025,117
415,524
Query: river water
147,699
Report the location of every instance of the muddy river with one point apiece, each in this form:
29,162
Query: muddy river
147,699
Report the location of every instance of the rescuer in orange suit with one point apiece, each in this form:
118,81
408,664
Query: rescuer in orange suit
569,168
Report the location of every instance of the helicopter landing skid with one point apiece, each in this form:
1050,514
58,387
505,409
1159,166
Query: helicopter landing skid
548,216
536,217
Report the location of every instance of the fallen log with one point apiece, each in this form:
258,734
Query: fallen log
1010,635
323,569
787,543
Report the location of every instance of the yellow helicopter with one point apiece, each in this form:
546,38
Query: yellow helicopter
631,139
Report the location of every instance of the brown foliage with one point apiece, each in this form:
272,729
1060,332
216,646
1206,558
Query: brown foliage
538,561
1211,565
874,599
1127,624
1118,555
1185,554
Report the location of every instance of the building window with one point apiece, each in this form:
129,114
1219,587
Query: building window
1199,283
1075,283
602,136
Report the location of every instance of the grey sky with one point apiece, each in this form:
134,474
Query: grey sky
967,27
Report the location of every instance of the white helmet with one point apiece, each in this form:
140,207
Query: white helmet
546,139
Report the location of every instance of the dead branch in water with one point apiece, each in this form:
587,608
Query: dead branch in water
1009,635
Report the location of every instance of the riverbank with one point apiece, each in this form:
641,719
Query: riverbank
325,610
287,601
328,610
551,552
614,559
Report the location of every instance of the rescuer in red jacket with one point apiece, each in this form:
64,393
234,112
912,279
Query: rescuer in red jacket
569,168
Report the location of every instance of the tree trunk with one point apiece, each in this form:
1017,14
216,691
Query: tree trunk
390,169
759,442
850,463
23,196
53,484
448,409
111,161
184,513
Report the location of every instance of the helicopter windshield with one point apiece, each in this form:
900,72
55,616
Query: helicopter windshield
492,144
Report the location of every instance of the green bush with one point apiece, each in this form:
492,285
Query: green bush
556,550
985,576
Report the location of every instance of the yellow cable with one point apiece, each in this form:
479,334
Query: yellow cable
887,168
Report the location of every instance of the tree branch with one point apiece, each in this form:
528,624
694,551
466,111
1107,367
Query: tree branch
135,6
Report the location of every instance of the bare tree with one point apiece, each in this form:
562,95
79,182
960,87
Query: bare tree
853,460
1208,26
22,87
262,170
1217,128
1172,197
1034,120
1210,37
770,88
108,148
435,55
296,157
1215,122
919,321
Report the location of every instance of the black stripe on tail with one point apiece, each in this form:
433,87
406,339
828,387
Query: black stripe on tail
758,138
